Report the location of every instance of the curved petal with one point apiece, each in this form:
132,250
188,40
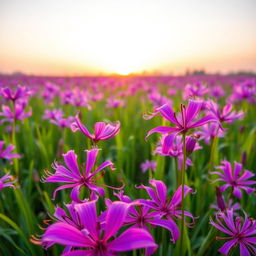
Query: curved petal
162,130
70,159
88,216
167,112
98,129
74,195
103,166
151,192
168,224
90,160
62,187
237,192
202,121
132,239
176,199
243,250
81,127
93,187
237,170
227,246
65,234
160,189
110,131
115,217
192,110
168,142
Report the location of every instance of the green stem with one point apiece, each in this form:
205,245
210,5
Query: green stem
213,149
177,172
182,193
15,161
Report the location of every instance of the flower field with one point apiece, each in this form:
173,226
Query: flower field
127,165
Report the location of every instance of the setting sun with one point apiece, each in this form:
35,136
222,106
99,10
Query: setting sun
106,37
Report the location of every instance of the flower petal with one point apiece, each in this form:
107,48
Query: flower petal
115,217
132,239
88,217
70,159
162,130
65,234
90,160
227,246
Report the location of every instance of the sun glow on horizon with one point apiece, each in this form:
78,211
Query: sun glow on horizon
123,37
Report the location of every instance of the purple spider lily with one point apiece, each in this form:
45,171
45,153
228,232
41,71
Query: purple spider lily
56,117
195,90
217,92
18,113
184,122
225,114
50,91
5,183
237,179
157,99
52,114
210,131
165,207
114,103
63,122
91,237
6,153
20,93
239,232
171,145
141,215
244,91
102,131
148,165
74,177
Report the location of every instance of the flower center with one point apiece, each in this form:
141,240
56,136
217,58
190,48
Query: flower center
101,248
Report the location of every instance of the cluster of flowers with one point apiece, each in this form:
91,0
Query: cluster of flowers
97,234
11,113
126,223
240,232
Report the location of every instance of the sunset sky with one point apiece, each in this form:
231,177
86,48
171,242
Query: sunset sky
68,37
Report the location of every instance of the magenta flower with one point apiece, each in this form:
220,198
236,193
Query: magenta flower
6,153
52,114
210,131
18,113
102,131
20,93
244,91
240,233
5,183
165,207
74,177
225,114
92,238
141,215
148,165
237,178
217,92
194,90
171,145
182,123
56,117
63,122
157,99
114,103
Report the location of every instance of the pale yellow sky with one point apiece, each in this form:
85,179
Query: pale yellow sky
60,37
